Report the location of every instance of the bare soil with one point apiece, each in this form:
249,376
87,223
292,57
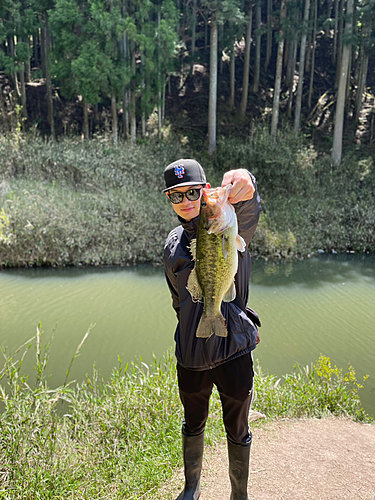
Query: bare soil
315,459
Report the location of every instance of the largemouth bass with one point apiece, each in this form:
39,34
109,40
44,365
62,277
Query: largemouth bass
216,260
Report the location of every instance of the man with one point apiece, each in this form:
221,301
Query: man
223,361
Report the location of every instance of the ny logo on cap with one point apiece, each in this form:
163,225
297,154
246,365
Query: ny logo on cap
179,171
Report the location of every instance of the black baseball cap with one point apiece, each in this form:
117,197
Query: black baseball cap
183,173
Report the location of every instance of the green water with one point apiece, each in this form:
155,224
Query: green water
323,305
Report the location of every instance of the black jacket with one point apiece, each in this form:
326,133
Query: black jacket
197,353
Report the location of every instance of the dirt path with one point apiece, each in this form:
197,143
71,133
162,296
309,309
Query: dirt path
329,458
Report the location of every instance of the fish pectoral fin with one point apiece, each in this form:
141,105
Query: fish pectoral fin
194,288
240,243
225,246
193,248
231,294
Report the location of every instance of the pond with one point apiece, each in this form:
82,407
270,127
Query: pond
323,305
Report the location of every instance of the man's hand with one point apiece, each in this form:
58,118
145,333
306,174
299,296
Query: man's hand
242,189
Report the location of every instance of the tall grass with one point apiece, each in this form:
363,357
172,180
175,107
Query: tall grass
70,203
323,207
120,438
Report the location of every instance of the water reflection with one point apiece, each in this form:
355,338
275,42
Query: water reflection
142,270
315,271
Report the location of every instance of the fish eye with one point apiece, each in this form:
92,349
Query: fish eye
203,204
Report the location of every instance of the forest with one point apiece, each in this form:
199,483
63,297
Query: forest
98,96
205,67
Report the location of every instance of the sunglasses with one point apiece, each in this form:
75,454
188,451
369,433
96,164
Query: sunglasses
191,195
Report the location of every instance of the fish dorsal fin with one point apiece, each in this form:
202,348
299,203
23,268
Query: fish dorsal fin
240,243
231,294
194,288
193,248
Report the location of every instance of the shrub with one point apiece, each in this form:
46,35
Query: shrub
315,391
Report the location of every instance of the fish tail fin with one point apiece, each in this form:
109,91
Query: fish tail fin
210,325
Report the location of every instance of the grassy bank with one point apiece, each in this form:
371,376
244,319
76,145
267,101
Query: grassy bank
70,203
120,438
308,204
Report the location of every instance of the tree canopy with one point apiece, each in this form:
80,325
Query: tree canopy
312,60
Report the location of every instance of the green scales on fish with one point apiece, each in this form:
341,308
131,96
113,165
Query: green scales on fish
216,260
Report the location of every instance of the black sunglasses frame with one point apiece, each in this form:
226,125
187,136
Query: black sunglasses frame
180,195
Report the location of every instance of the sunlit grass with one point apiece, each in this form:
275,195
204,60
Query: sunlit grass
120,438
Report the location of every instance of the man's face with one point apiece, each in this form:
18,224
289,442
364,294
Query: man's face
187,209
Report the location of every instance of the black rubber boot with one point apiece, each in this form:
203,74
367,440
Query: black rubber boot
192,447
239,459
